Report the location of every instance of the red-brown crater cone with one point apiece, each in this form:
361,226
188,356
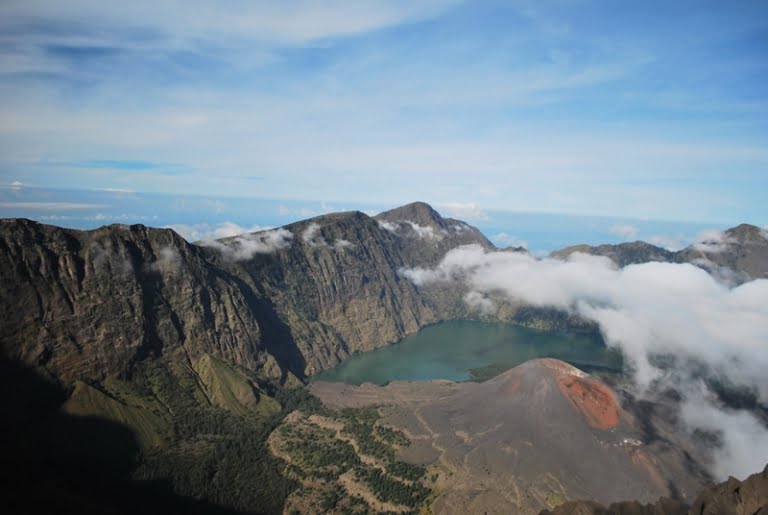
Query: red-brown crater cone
596,401
593,399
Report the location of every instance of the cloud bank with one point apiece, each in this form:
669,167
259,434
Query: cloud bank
646,310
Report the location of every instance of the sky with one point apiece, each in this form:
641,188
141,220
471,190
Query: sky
641,110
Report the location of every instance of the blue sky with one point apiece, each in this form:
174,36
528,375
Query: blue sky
641,110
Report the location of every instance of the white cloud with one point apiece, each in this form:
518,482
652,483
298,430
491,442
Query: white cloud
244,247
114,190
388,226
168,260
342,244
101,256
205,231
424,231
290,22
414,229
311,235
480,302
626,231
503,239
673,243
643,309
744,439
723,274
712,240
464,211
50,206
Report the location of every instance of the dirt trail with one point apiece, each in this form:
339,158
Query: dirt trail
358,489
337,427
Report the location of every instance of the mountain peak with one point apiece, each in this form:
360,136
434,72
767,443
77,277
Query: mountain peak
419,213
746,232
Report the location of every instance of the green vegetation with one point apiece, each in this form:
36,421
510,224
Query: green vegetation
392,436
319,450
219,454
121,403
406,470
203,434
391,490
359,424
232,389
482,374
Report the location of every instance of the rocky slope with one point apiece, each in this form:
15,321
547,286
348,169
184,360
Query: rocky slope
622,254
531,438
735,256
732,497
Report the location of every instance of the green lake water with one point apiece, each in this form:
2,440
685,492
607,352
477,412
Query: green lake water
464,350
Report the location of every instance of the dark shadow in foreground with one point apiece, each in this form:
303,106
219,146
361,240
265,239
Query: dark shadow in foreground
58,463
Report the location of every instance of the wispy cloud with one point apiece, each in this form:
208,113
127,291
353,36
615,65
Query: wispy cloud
626,231
712,240
292,22
246,246
385,99
311,235
167,261
120,165
468,211
503,239
50,206
205,231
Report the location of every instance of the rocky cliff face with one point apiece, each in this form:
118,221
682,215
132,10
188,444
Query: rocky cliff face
336,290
91,304
423,237
737,255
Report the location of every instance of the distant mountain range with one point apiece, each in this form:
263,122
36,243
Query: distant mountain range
736,255
176,341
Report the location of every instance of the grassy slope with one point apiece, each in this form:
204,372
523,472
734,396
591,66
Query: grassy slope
120,402
230,388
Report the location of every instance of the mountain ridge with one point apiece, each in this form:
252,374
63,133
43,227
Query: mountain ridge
736,255
287,308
